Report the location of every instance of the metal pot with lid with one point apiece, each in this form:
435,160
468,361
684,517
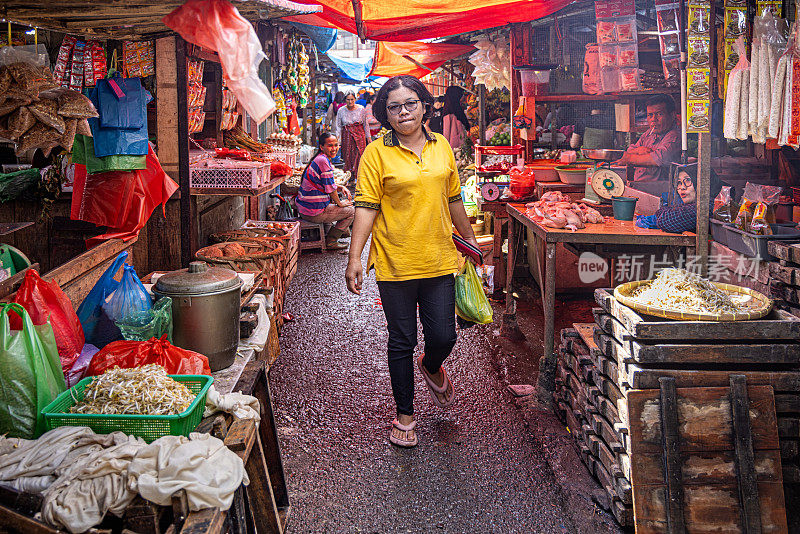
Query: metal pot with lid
205,310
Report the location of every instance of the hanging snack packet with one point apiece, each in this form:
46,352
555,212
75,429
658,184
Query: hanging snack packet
60,69
76,71
724,207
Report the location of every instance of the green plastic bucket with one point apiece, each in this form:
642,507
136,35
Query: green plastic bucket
623,207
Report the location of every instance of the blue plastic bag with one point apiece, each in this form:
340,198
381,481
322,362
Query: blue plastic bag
110,301
121,102
129,299
119,141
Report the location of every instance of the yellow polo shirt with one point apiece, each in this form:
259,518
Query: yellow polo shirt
412,236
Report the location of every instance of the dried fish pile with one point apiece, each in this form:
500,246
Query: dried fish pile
682,291
146,390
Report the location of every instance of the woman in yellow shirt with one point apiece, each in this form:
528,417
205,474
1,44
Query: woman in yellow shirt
409,198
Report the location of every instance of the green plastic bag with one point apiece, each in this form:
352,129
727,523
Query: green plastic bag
30,374
83,154
145,325
471,302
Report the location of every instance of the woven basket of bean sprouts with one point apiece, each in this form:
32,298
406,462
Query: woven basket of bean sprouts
144,401
681,295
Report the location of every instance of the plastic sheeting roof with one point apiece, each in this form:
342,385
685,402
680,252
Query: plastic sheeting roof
392,20
391,58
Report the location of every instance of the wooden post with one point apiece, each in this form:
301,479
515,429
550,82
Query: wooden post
670,436
481,114
744,459
703,199
314,132
520,55
188,232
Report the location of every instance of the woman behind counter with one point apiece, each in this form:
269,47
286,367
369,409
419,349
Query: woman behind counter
409,197
318,198
352,127
681,214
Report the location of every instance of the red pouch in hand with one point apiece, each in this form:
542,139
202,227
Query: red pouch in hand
46,301
468,249
129,354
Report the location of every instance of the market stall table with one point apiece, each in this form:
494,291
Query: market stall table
610,232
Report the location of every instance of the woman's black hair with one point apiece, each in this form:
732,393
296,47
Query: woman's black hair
691,170
323,137
452,105
396,82
339,98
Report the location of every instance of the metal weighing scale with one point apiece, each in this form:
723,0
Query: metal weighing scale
603,182
492,183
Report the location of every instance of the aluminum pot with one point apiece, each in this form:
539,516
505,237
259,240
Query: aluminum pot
205,310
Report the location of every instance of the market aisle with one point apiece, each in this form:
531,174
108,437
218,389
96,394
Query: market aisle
474,470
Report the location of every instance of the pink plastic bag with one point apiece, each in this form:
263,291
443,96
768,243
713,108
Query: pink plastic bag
218,26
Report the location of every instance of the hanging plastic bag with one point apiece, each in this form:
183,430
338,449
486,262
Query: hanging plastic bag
153,323
116,141
83,154
46,302
218,26
103,199
725,207
151,187
128,354
471,302
90,312
120,102
30,372
128,299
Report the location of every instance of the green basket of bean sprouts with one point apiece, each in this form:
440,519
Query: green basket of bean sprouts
143,402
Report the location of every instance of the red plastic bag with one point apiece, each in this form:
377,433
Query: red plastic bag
218,26
129,354
103,199
151,187
46,301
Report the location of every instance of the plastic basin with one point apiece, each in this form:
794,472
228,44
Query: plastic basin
623,207
572,174
544,172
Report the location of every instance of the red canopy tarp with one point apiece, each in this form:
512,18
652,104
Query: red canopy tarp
390,20
390,61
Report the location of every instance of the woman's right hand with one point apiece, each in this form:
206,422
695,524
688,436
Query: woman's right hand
354,275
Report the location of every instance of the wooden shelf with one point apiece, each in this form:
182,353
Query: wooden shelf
240,192
610,97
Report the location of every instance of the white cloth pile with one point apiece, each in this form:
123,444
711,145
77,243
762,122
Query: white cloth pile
83,475
492,63
237,404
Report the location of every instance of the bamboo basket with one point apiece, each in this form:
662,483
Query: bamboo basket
757,307
264,255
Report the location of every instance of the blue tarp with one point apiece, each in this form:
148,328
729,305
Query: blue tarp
323,38
355,69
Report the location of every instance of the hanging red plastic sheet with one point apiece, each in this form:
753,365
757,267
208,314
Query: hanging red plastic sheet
148,188
390,58
389,20
218,26
128,354
45,301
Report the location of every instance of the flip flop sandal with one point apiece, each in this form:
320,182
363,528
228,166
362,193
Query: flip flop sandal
405,441
434,389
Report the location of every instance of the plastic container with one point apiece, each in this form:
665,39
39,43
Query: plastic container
147,427
522,183
544,172
572,174
755,246
534,82
624,207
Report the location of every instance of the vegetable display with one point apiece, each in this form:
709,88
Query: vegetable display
145,390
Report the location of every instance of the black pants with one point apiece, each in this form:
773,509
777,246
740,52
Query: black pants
437,303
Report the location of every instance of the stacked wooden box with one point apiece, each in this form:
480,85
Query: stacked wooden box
785,276
624,354
591,416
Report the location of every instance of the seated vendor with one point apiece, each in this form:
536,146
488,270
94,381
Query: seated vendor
681,214
318,198
652,154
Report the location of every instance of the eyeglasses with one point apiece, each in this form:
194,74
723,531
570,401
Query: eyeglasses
410,106
684,184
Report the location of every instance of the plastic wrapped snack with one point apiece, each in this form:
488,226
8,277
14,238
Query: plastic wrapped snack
20,122
757,211
75,105
605,32
724,205
39,136
46,111
68,137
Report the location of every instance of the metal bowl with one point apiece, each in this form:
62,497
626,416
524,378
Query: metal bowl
602,154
